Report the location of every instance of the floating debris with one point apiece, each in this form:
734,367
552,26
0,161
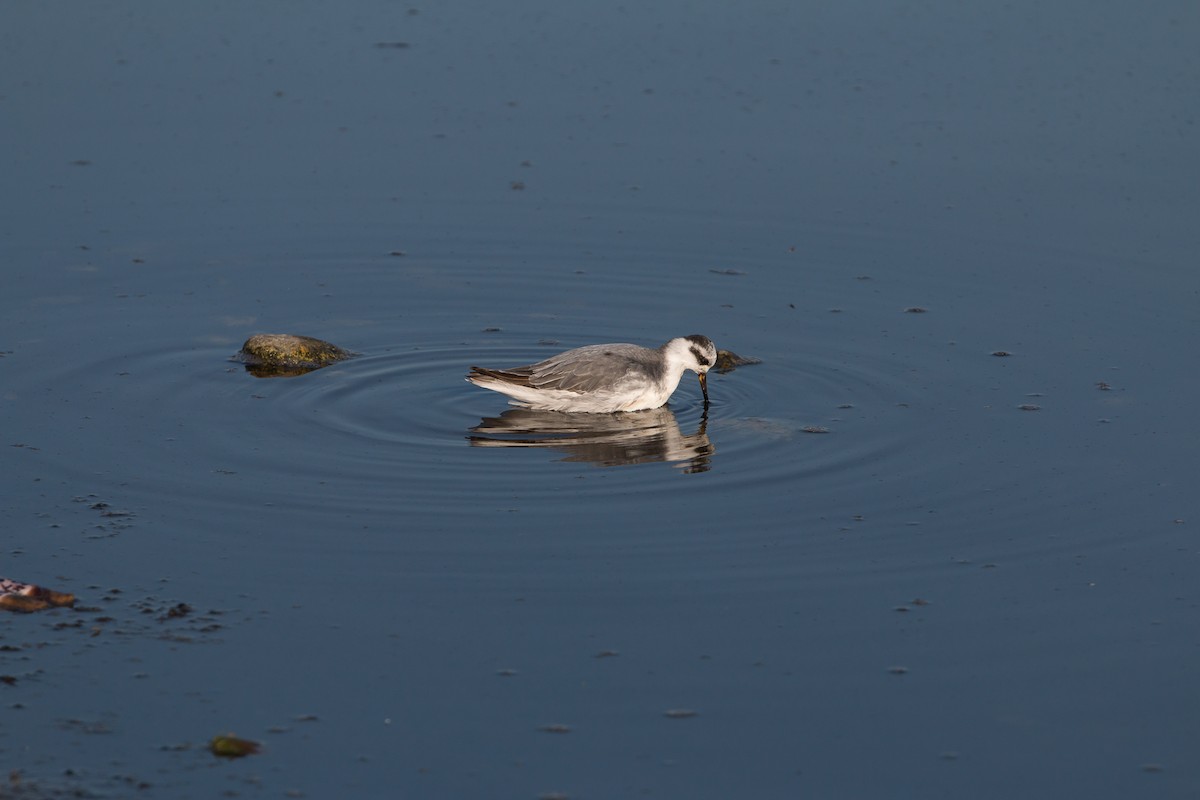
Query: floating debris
727,272
274,355
555,728
898,670
680,713
1104,387
1001,353
814,429
915,310
230,746
176,611
1029,407
19,596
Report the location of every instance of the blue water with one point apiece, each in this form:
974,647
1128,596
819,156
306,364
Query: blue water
886,562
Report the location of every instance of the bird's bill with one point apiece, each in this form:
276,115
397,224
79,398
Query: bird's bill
704,385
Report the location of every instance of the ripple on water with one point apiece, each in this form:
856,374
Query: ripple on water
401,422
833,447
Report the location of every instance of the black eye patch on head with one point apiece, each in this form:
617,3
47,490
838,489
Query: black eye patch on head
701,359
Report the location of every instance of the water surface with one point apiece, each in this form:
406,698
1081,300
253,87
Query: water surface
940,541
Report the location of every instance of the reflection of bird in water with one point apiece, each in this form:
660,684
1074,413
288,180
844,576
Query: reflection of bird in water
603,377
608,440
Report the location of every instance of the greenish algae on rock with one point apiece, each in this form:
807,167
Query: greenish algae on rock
728,361
285,354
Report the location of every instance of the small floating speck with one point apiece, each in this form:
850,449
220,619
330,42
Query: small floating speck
1152,767
680,713
554,796
915,310
727,272
814,429
398,253
897,669
506,673
517,186
1001,353
555,728
491,330
1102,386
607,654
392,45
1029,407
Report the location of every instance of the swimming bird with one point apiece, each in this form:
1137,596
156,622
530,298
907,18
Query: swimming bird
603,377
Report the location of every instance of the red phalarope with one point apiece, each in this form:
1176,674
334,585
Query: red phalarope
603,377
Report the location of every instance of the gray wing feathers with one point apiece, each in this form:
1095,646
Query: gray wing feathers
584,369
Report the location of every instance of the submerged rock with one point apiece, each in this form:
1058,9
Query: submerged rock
728,361
230,746
285,354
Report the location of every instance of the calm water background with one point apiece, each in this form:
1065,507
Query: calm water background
943,595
